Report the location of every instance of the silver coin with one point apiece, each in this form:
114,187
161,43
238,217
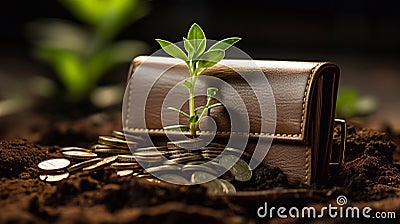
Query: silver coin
201,177
79,155
174,178
122,173
53,177
54,164
81,165
64,149
101,164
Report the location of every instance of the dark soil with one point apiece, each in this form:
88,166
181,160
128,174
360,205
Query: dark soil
368,175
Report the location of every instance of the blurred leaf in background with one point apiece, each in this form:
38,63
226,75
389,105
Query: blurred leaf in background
351,104
81,55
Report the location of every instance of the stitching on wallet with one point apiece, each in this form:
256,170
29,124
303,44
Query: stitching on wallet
129,105
307,165
294,135
215,132
303,106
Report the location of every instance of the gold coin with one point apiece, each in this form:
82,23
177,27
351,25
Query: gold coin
214,187
129,137
126,158
122,173
174,178
186,154
148,154
81,165
197,162
111,151
201,177
79,155
160,149
54,164
149,159
116,142
163,168
228,187
186,159
64,149
99,146
190,144
100,164
53,177
237,152
120,166
240,169
202,168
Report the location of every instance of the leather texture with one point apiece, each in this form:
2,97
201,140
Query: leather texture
298,102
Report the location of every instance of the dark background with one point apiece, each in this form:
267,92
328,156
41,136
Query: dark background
362,37
267,27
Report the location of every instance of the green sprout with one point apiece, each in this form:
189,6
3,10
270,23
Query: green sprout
197,60
81,55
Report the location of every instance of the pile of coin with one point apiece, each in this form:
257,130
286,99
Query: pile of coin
198,163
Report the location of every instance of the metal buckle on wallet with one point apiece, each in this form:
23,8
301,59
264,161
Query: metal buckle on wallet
342,147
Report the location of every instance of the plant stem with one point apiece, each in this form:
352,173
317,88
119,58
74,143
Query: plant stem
191,112
193,78
202,113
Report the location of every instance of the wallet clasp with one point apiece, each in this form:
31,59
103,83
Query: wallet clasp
343,139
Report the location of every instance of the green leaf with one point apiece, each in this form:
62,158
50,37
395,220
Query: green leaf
214,105
210,58
199,108
211,92
225,43
176,128
194,118
198,39
188,85
208,107
188,47
179,111
172,49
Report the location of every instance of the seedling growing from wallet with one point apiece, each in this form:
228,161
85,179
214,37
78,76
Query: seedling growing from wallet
197,59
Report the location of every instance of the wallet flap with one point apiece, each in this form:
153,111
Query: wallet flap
292,84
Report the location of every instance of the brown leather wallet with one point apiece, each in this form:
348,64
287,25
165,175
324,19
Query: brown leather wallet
305,99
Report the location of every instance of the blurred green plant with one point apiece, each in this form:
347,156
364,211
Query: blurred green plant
350,104
82,54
